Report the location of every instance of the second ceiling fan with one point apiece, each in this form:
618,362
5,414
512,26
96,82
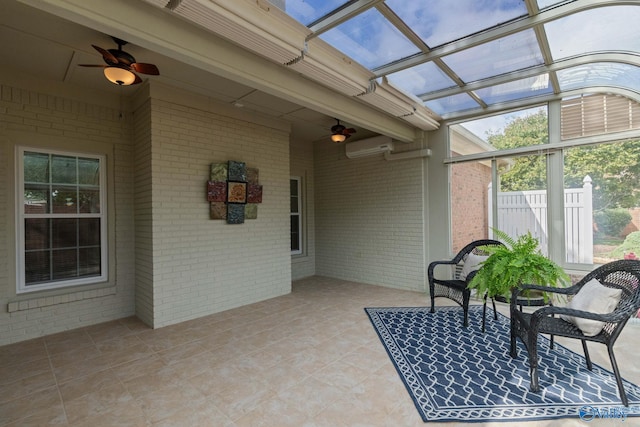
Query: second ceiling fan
339,133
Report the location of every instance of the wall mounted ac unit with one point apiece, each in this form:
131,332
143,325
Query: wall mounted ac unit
368,147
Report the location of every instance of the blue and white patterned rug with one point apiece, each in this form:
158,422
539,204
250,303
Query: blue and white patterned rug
459,374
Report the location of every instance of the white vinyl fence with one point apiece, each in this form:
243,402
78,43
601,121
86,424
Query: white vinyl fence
522,211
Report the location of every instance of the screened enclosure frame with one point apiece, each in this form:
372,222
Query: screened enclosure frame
553,152
544,40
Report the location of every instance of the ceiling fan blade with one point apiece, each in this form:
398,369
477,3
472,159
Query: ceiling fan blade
349,131
93,65
137,80
145,68
108,56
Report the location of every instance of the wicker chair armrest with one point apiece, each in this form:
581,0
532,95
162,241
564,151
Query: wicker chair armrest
615,316
434,264
571,290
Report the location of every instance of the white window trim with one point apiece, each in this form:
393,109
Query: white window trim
21,287
554,152
298,179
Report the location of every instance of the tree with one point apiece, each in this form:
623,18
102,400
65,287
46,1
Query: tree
526,172
522,132
613,167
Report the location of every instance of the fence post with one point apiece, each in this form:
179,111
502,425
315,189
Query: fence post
490,213
588,219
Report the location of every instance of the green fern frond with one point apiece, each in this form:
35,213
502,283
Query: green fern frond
504,237
518,262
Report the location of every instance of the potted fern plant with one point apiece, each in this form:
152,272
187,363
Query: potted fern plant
518,262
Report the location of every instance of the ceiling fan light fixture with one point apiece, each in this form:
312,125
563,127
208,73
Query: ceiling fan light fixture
339,133
121,65
120,76
338,137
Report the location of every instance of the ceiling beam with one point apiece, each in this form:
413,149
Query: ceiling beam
341,15
591,58
504,107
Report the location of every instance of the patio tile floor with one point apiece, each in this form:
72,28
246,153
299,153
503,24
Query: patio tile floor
310,358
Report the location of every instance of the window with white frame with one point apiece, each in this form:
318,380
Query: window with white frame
61,219
577,195
296,216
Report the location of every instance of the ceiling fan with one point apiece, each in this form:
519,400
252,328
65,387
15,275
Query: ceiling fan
339,133
121,65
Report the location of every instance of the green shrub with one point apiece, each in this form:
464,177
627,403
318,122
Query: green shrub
611,222
630,244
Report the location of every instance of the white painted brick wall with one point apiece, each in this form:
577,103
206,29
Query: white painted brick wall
143,214
369,218
301,160
27,116
173,262
202,266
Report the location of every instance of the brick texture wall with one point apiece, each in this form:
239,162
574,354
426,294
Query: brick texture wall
469,199
200,266
143,213
39,119
170,262
369,218
301,160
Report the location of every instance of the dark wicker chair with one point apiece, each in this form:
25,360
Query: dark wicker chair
623,274
456,288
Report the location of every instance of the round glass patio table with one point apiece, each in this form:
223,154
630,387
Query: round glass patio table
536,300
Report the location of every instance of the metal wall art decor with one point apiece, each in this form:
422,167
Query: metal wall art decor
233,192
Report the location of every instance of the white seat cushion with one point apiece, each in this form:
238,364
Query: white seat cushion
472,263
594,297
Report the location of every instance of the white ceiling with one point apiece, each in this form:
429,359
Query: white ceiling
50,48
